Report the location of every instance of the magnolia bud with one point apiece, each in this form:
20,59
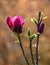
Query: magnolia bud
41,28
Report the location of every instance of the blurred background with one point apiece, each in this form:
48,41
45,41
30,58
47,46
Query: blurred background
10,52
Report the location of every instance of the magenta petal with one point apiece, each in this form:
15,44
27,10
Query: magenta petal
21,20
13,19
9,22
17,20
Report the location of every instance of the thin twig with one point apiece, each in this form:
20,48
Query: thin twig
37,49
38,34
22,50
31,51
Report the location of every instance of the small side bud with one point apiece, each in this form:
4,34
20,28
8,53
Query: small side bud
12,35
39,57
17,41
33,36
29,32
34,20
27,45
44,18
34,45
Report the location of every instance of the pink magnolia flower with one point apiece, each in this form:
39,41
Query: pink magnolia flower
15,23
